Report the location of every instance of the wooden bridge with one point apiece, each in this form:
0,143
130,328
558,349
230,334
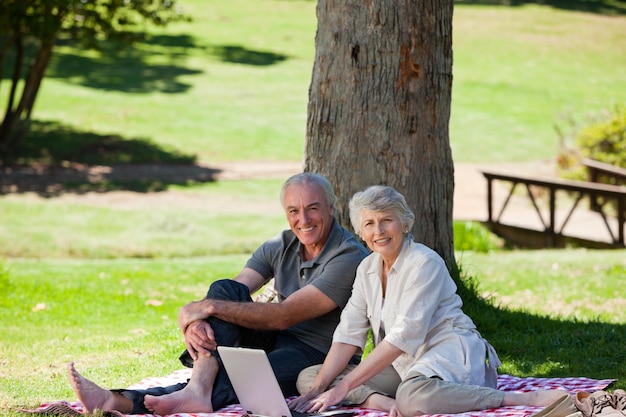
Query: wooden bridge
560,218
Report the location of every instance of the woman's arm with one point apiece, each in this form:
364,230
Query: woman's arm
336,361
381,357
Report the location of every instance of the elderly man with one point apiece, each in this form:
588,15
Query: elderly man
313,264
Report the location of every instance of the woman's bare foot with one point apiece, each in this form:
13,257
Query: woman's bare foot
539,398
94,397
382,402
379,402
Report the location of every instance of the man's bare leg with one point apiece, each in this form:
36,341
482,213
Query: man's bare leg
195,397
539,398
94,397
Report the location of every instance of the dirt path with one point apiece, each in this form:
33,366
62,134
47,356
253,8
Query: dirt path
469,197
470,187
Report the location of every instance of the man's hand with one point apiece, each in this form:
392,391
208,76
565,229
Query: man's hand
199,339
196,310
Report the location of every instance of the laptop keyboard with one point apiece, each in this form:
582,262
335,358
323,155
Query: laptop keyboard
297,414
335,413
313,414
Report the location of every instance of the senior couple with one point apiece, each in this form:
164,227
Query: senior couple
428,355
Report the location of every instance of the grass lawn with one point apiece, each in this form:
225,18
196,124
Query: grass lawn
233,86
110,303
117,318
211,218
546,69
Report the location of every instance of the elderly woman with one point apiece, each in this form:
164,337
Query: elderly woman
428,356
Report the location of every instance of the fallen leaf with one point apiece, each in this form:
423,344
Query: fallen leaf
39,307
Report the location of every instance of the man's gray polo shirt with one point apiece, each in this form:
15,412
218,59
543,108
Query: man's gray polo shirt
332,272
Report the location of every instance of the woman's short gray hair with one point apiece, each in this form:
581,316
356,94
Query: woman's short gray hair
311,178
379,198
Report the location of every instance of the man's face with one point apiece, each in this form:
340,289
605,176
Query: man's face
309,215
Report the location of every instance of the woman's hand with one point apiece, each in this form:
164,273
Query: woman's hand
302,404
394,411
329,398
316,399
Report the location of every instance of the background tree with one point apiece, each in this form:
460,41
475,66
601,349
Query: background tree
30,28
379,107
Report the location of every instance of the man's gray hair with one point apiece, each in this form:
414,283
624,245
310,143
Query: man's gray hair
311,178
379,198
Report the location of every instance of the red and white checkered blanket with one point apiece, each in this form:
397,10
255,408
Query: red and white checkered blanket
505,383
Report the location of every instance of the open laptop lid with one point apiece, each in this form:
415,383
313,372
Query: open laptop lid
254,381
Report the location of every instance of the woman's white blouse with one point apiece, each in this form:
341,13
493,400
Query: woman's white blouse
421,315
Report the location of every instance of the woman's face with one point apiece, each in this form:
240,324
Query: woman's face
383,232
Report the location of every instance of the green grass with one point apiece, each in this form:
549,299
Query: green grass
233,86
117,318
577,283
211,218
228,86
545,68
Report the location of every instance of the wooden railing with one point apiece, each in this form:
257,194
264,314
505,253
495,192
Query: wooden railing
604,195
596,171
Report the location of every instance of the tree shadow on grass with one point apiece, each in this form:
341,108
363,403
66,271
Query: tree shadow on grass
57,159
543,346
603,7
240,55
155,64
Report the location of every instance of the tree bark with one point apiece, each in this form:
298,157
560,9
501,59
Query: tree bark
17,119
379,107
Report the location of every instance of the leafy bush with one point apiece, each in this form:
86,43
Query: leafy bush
605,140
475,237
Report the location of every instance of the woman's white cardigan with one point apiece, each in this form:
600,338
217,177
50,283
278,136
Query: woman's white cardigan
421,315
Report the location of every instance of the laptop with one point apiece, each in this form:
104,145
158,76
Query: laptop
256,385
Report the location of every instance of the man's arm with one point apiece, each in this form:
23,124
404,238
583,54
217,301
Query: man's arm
251,279
304,304
198,333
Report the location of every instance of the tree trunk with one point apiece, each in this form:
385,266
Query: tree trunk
17,119
379,107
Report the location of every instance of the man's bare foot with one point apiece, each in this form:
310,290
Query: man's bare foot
95,398
183,401
539,398
195,397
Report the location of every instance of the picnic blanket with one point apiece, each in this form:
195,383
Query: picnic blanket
505,383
